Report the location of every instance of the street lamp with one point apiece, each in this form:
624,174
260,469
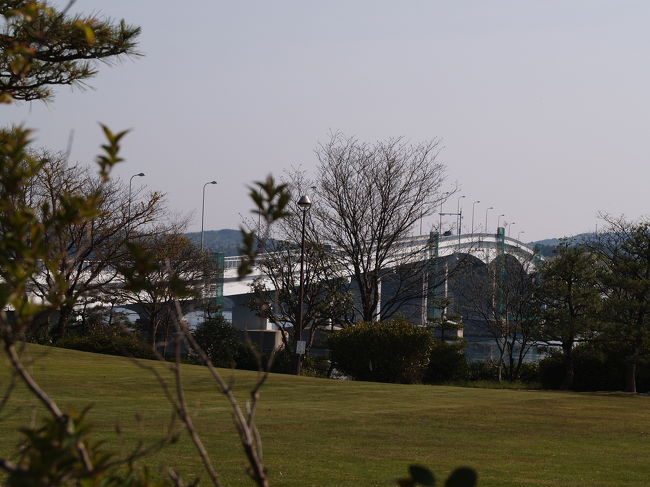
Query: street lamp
473,204
486,220
304,203
460,216
442,200
510,227
519,235
203,210
498,220
139,175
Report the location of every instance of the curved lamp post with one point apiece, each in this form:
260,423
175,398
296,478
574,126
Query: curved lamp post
203,209
304,203
510,227
486,220
519,235
460,216
139,175
499,220
442,200
473,205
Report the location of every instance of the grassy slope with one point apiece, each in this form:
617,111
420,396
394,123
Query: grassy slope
334,433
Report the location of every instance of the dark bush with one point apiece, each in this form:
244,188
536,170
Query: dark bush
482,370
395,351
247,359
110,344
447,362
529,372
596,368
220,341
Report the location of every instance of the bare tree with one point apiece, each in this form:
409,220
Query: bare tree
183,272
501,298
83,253
327,298
369,197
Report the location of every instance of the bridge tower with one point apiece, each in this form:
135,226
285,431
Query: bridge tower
500,270
219,258
432,268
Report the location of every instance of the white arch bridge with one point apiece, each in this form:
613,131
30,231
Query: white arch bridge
485,247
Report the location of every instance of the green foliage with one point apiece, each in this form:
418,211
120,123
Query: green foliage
447,363
598,367
624,279
110,344
568,293
110,157
529,373
483,370
220,341
51,455
283,362
42,46
394,351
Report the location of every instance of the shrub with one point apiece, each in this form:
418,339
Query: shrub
482,370
447,362
596,368
395,351
529,373
110,344
220,341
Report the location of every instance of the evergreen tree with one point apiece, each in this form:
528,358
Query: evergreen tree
569,296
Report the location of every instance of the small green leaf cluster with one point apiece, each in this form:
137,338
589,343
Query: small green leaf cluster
271,200
50,455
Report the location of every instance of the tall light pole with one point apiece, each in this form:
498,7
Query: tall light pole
139,175
460,216
510,227
519,235
203,210
473,204
304,203
486,220
442,200
499,219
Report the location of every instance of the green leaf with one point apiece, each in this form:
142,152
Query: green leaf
422,475
462,477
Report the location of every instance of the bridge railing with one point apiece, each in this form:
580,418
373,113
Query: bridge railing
421,241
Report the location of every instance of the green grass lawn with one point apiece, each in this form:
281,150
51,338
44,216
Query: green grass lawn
321,432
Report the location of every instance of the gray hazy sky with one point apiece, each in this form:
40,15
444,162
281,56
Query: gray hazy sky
543,107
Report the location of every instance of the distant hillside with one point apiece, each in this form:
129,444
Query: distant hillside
226,240
547,245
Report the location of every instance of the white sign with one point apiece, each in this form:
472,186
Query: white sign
300,347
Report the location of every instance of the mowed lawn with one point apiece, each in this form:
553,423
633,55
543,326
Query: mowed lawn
319,432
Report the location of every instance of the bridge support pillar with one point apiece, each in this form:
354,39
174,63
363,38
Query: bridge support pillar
219,258
430,274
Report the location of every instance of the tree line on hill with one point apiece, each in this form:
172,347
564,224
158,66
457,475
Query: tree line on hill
588,303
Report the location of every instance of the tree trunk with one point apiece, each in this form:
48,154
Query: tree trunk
569,372
61,326
630,376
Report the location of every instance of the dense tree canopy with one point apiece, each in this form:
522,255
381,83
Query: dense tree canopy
42,46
